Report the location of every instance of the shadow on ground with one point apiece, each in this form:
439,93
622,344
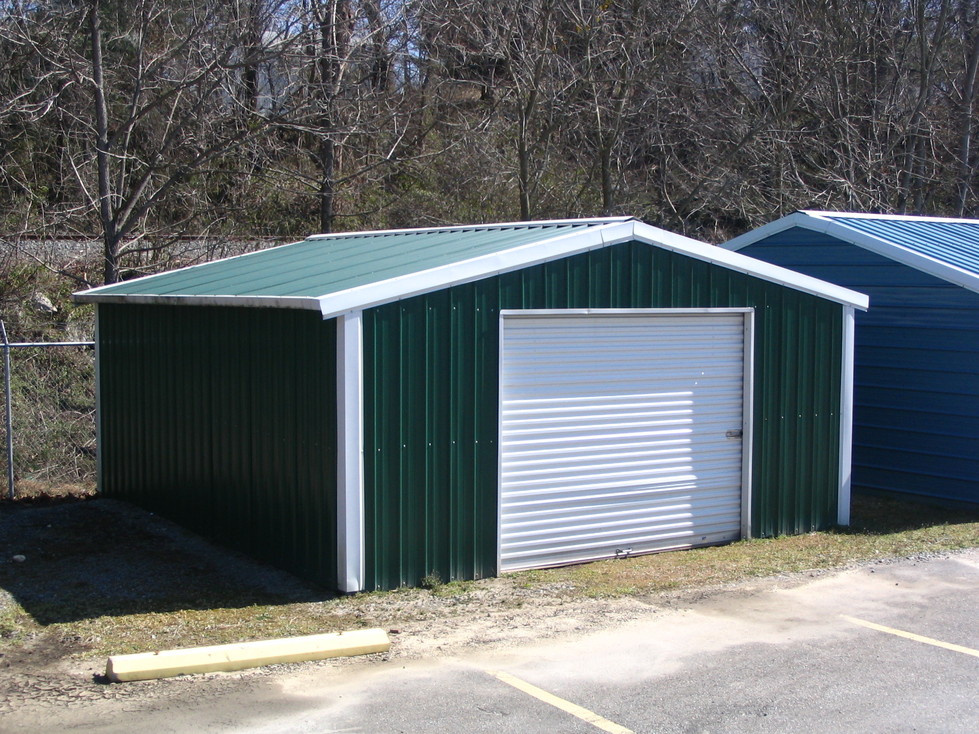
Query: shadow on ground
877,515
101,557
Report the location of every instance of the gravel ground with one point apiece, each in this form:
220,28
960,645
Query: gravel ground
101,558
101,562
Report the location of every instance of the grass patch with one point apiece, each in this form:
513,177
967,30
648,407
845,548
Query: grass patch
159,590
881,528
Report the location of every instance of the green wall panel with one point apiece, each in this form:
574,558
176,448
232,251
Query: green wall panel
431,401
224,420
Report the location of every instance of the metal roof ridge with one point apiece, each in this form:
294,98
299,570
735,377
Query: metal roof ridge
597,221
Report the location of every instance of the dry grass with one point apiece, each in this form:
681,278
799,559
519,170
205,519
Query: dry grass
880,529
154,586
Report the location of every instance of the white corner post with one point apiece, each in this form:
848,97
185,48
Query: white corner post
350,452
846,418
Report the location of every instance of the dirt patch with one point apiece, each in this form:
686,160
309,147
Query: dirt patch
102,576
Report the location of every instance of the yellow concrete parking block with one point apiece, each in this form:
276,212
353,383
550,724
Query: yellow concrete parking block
168,663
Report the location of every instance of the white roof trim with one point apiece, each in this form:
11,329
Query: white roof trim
572,243
750,266
817,222
606,232
894,217
466,271
300,302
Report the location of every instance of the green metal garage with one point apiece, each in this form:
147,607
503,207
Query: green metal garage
365,409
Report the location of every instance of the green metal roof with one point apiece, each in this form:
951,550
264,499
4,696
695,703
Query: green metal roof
324,264
342,272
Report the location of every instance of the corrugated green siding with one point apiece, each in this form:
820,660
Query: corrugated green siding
431,401
224,419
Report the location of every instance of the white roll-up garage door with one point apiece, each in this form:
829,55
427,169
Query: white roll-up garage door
620,434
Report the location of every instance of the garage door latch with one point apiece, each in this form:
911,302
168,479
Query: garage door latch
736,433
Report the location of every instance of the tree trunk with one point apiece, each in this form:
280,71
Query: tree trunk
523,165
110,237
965,139
327,190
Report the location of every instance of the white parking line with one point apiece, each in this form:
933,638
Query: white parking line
559,703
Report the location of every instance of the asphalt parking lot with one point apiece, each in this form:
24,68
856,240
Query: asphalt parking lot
798,659
891,647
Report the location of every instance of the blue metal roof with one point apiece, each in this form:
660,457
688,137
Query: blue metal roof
953,241
945,248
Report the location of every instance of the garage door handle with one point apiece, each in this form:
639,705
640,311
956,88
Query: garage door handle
737,433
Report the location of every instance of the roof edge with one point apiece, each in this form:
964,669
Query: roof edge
99,295
754,267
894,217
467,271
573,243
294,302
819,222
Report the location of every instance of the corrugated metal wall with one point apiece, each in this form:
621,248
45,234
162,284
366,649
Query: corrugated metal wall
916,392
224,419
432,395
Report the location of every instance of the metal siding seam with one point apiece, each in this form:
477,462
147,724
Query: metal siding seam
789,366
802,476
485,411
371,392
99,453
846,418
413,530
768,446
350,453
386,356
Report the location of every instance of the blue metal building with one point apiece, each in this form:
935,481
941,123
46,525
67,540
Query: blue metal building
916,383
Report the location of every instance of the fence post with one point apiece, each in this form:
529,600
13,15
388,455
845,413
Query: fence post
10,421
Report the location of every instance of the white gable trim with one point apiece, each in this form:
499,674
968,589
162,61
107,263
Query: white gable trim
750,266
816,222
563,244
573,243
467,271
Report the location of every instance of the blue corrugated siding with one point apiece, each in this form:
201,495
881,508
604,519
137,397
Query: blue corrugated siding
917,367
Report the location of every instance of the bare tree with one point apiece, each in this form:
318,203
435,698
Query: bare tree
159,79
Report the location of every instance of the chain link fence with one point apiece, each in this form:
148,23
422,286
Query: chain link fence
49,426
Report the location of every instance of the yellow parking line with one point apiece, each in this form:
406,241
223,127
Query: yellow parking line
566,706
912,636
